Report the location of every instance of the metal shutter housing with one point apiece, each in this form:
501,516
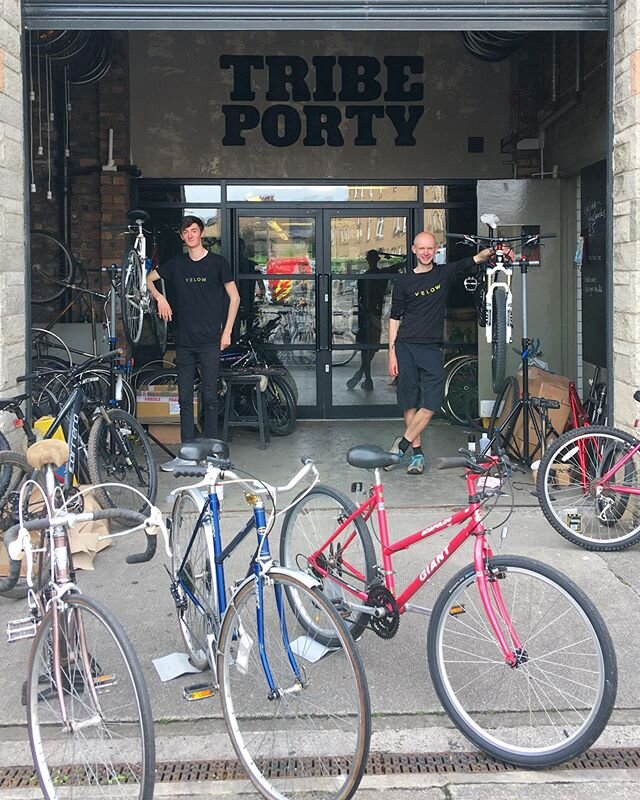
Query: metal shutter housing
360,15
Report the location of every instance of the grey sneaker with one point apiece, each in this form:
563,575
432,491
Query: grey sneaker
416,465
169,466
395,448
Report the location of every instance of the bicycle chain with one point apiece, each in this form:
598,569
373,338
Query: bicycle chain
384,627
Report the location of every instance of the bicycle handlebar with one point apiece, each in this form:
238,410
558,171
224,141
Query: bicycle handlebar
451,462
16,549
77,369
473,240
211,471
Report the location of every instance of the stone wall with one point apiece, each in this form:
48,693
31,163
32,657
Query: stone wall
626,209
12,234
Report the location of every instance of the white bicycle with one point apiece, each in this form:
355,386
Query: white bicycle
492,288
136,300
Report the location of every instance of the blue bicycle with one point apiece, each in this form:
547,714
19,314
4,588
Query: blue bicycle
297,713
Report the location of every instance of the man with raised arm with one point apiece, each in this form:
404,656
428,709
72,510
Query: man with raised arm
416,334
201,282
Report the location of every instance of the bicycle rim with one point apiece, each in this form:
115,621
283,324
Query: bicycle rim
130,297
350,558
50,260
596,514
461,391
195,580
557,700
110,752
314,736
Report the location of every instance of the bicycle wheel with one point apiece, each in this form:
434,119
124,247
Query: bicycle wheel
130,297
107,741
461,391
281,405
15,471
119,452
315,733
499,339
349,559
590,512
194,580
51,264
556,701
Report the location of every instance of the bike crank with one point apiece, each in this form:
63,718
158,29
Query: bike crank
387,626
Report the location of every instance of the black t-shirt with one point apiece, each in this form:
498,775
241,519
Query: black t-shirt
199,297
419,300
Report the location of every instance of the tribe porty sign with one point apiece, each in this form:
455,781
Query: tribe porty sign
309,101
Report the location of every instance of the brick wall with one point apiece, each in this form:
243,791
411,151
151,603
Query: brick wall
626,209
12,300
98,200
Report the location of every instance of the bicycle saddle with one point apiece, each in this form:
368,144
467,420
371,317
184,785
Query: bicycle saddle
48,451
9,402
137,214
636,395
370,456
200,449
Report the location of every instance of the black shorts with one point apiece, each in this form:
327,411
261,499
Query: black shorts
420,375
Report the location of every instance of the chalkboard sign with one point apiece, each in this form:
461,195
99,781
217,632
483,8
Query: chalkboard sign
593,227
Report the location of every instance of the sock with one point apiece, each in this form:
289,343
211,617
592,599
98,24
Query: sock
417,451
404,445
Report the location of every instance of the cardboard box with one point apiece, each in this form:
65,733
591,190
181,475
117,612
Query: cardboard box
158,404
167,434
551,387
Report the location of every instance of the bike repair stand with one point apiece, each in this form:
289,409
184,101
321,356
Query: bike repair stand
527,408
112,272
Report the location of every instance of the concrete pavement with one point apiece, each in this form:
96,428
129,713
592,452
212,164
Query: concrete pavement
407,714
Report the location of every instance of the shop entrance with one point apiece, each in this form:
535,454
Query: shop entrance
315,287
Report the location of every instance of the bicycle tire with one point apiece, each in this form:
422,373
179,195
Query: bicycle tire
108,463
461,392
281,405
49,257
115,746
569,704
196,579
14,472
312,721
306,527
499,339
505,400
130,297
604,519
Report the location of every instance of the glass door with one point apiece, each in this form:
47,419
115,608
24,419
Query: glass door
366,251
275,258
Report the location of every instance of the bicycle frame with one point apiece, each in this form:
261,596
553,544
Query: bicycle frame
260,566
482,552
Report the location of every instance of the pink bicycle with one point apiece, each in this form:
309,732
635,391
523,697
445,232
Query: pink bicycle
520,658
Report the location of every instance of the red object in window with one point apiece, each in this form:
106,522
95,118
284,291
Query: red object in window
280,290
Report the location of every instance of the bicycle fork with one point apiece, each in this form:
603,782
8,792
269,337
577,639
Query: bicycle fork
489,588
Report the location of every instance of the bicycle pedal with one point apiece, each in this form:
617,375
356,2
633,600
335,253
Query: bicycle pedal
199,691
19,629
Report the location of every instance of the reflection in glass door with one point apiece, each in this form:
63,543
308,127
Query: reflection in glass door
366,253
276,269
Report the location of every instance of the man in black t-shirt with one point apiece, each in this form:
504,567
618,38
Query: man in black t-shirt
416,328
201,282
